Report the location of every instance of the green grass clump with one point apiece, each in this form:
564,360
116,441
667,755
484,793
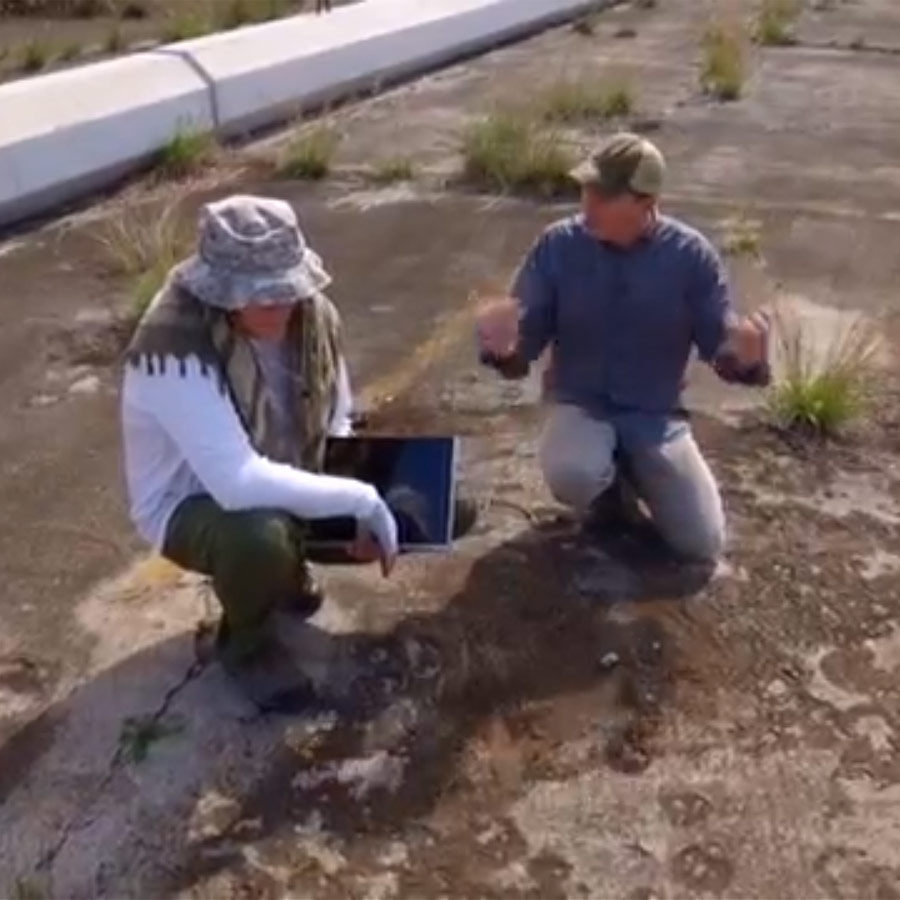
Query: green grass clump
819,391
743,237
139,734
774,23
508,151
310,156
723,69
393,169
574,100
185,26
188,152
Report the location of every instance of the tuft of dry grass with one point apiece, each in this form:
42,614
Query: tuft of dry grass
143,245
310,156
774,23
188,152
723,69
509,151
571,100
819,389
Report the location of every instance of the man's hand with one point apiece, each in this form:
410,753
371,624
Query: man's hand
497,324
744,356
747,340
377,538
364,549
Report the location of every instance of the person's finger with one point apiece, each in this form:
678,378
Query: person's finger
387,564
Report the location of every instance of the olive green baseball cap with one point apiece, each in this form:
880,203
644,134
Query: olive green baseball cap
624,163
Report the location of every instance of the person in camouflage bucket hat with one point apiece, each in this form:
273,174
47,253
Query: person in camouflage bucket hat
235,376
619,296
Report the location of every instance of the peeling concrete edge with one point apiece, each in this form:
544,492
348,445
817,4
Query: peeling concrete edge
64,186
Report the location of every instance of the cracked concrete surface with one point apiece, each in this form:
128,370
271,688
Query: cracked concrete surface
531,716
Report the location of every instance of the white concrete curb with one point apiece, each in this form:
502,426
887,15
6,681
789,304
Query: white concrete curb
66,134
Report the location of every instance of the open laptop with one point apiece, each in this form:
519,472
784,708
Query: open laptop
416,476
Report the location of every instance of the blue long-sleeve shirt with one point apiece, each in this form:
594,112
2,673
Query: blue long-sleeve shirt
623,322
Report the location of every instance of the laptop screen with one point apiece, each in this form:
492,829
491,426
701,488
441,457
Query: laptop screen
416,476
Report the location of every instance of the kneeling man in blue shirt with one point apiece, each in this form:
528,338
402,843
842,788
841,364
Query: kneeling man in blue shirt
621,294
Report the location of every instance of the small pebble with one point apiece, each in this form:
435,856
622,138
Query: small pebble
609,660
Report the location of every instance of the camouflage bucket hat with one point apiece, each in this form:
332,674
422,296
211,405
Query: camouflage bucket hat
251,253
624,163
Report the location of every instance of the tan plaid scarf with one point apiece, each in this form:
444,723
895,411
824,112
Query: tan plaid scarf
177,326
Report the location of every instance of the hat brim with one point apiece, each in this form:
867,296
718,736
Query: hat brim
238,290
585,173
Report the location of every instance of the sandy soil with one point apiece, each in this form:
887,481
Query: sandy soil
532,716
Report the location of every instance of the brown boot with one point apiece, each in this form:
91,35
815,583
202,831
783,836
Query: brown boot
267,676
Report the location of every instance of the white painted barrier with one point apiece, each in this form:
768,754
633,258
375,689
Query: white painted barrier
69,133
269,71
65,134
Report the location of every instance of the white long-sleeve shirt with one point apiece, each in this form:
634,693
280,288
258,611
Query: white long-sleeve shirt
182,437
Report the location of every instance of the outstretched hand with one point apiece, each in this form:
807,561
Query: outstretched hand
497,324
747,340
377,539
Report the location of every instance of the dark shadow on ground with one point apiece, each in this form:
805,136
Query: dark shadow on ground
520,630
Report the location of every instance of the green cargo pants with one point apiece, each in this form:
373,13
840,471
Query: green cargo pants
256,561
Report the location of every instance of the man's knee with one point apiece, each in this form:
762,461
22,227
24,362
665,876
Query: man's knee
577,480
260,544
699,539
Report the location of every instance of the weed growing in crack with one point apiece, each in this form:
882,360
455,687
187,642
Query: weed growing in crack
774,23
723,70
187,152
310,156
509,151
140,733
821,390
572,100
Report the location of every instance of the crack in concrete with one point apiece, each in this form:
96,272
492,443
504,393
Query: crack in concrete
83,818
